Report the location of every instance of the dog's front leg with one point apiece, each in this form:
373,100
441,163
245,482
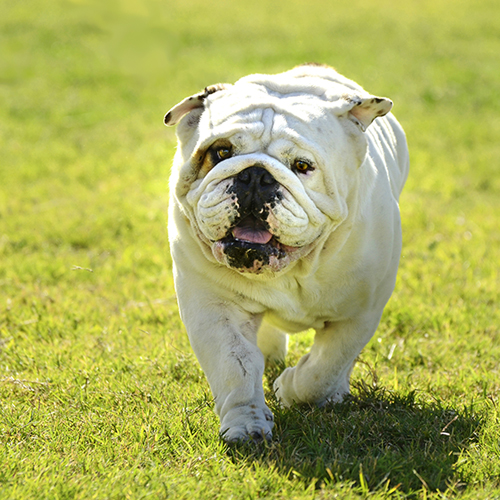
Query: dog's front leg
224,339
323,374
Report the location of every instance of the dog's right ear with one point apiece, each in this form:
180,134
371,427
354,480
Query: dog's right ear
191,103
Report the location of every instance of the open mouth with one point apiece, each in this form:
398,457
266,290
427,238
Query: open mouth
251,230
250,245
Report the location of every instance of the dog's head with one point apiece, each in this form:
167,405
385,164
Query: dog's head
265,167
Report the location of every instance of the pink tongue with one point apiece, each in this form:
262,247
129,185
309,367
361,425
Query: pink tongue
252,235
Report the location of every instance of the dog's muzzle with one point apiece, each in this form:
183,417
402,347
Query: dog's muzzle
254,187
249,246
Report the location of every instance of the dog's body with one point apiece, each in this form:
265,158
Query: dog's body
283,216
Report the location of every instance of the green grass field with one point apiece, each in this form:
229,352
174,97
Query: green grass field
100,394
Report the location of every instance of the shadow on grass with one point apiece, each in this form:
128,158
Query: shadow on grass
377,439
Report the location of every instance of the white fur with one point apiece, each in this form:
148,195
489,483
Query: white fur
343,218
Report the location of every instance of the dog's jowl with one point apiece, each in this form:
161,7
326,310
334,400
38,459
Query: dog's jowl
283,216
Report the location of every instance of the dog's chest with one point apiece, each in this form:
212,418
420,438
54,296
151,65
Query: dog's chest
298,306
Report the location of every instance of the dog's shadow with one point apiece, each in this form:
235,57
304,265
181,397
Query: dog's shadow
377,439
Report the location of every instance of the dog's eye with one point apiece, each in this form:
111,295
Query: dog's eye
302,166
223,153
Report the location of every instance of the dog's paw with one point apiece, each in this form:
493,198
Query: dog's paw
293,387
247,422
283,388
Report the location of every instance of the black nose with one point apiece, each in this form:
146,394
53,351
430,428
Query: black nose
256,177
255,187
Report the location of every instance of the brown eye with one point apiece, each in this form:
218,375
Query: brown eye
223,153
302,166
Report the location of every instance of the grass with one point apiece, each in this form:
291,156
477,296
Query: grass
100,394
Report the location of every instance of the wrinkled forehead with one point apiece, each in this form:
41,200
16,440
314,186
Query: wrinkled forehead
256,111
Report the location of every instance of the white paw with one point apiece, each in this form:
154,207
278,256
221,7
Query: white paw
283,388
291,388
247,422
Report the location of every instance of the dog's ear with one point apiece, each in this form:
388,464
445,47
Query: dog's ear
363,110
191,103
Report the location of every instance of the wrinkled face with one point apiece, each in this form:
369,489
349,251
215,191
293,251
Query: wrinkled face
264,184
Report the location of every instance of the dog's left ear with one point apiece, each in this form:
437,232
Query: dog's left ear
191,103
365,109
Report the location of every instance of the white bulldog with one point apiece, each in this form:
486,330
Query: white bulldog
283,216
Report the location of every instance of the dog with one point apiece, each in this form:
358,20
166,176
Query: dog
283,216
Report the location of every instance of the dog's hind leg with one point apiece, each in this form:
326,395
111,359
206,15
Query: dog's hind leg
273,343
